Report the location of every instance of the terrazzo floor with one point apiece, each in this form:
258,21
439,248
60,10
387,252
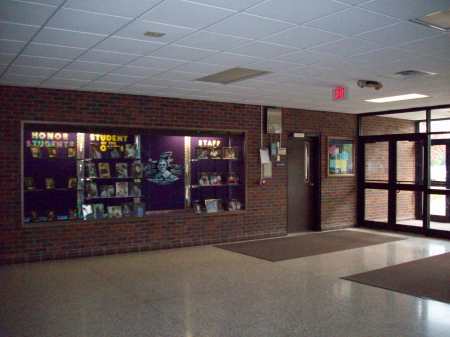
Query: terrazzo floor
209,292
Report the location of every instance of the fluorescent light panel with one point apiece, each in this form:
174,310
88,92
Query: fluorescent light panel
396,98
233,75
438,20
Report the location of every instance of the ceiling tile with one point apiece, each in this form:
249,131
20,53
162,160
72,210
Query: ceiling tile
20,80
263,50
347,47
103,56
187,14
399,33
6,59
35,61
81,21
182,53
68,38
439,45
378,57
50,50
249,26
214,41
95,67
18,32
352,21
11,47
77,75
231,4
104,86
275,66
24,12
303,37
30,71
200,68
296,11
300,57
128,8
136,71
407,9
156,62
114,78
177,76
229,59
64,83
130,46
136,30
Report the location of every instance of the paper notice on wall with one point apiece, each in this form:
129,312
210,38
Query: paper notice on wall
264,155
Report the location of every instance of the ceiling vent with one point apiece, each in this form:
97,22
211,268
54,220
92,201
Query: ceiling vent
406,74
437,20
233,75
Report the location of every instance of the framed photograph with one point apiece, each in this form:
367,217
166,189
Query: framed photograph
35,152
115,153
103,170
107,191
203,179
134,188
121,189
229,153
91,170
71,152
91,190
49,183
201,152
72,183
196,207
115,211
215,179
52,152
127,209
98,210
212,205
137,169
122,170
215,153
29,183
232,179
130,151
340,157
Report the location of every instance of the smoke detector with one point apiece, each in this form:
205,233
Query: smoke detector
369,84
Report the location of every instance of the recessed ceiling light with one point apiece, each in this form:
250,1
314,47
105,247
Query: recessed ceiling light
396,98
438,20
154,34
233,75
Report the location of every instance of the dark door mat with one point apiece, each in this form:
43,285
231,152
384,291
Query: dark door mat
307,245
426,278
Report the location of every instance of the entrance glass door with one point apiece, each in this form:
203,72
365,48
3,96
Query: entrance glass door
393,182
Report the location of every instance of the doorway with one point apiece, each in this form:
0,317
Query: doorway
303,184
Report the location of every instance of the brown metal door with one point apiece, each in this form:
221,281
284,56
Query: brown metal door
303,169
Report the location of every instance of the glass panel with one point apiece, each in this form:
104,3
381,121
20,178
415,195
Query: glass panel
438,169
440,120
406,209
376,161
376,205
406,162
438,204
400,123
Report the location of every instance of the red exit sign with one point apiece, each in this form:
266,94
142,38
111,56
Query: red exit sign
339,93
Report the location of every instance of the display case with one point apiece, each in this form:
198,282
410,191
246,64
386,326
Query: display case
75,172
217,173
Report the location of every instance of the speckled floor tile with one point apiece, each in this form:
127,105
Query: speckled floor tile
208,292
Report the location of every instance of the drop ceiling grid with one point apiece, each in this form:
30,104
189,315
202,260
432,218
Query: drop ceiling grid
26,60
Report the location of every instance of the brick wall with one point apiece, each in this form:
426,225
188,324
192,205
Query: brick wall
266,213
